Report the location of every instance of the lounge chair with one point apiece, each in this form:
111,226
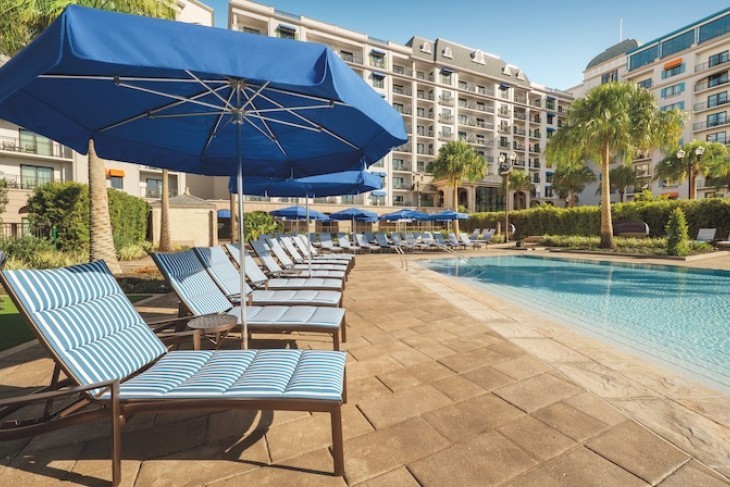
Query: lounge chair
224,273
346,245
325,240
364,244
288,263
382,241
291,248
121,369
186,265
313,239
301,242
440,241
468,243
455,242
200,295
293,253
262,252
475,234
706,235
370,238
403,245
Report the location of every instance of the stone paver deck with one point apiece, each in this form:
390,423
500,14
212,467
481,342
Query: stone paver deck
447,386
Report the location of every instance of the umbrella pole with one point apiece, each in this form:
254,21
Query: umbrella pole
242,242
309,240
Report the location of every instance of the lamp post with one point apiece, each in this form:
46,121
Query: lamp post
505,168
691,190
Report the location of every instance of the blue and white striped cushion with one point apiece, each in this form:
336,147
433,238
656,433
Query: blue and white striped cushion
87,320
221,269
241,374
192,283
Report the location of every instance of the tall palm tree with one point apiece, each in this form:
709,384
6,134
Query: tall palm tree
571,179
614,120
621,178
457,161
519,181
20,22
165,241
712,155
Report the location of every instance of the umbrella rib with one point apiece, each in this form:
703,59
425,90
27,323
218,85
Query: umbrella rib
125,78
210,90
249,100
289,109
191,114
282,122
308,97
159,109
214,131
170,95
272,135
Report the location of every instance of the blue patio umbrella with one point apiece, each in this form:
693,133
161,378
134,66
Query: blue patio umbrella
448,215
196,99
298,213
404,215
355,215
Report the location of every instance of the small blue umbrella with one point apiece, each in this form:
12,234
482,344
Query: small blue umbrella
298,213
356,215
404,215
448,215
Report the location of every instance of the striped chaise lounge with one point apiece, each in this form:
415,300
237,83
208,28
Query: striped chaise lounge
304,249
120,368
226,275
200,295
273,267
288,245
288,263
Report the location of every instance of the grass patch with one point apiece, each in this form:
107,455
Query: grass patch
14,331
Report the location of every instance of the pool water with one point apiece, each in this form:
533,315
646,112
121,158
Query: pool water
677,315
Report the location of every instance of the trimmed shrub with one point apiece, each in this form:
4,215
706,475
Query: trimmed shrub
24,248
677,239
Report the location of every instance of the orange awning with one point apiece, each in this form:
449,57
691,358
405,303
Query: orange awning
115,172
671,194
673,63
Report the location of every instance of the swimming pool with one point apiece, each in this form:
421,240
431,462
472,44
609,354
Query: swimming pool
675,314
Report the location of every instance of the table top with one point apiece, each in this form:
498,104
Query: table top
213,323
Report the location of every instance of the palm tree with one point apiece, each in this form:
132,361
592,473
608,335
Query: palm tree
571,179
20,22
697,158
165,241
519,181
457,161
613,120
621,178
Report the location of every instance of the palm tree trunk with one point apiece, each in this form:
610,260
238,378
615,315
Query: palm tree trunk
621,193
165,243
456,207
234,218
101,241
606,222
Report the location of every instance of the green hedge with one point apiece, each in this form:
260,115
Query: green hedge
585,220
66,206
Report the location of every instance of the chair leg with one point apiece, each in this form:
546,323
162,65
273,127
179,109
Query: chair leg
336,341
344,329
337,447
116,437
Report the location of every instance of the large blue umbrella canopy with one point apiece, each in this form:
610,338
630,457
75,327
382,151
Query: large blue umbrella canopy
448,215
298,213
355,214
337,184
404,215
174,95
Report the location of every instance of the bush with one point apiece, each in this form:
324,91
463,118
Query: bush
258,223
131,252
24,248
677,238
645,246
51,259
66,207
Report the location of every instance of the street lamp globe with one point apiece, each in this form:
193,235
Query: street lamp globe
680,154
699,151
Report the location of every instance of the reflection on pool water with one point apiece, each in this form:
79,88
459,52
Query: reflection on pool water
678,315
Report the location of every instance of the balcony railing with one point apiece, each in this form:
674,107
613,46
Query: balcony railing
402,91
377,62
535,164
402,203
424,150
517,146
504,112
538,120
424,96
712,83
40,147
351,57
535,134
443,118
707,65
504,129
705,105
155,193
402,70
424,76
403,148
446,136
16,182
520,116
535,148
521,99
428,115
424,133
446,100
518,131
402,167
715,123
536,103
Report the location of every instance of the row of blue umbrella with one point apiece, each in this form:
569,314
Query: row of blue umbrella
360,215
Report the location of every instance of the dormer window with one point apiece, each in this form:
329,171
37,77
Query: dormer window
507,70
447,53
478,57
520,75
426,47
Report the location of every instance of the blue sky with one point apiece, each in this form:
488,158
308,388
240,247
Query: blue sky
551,41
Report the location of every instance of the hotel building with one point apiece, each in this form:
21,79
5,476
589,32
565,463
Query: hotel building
445,91
28,160
685,69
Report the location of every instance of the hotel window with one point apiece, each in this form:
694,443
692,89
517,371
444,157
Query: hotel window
550,103
482,90
251,30
447,53
420,130
716,119
377,59
481,106
378,80
463,135
462,119
717,99
673,90
286,31
426,47
445,76
548,191
347,199
154,188
719,58
678,43
398,164
398,69
641,170
347,56
34,176
420,166
462,102
399,107
717,79
421,112
551,118
644,57
398,182
714,29
678,106
673,71
609,77
116,182
646,83
462,85
32,142
481,140
421,148
719,137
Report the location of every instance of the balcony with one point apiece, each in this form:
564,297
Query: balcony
698,107
402,167
402,71
403,148
424,151
424,114
401,203
535,134
446,100
711,83
377,62
446,136
424,133
536,103
403,110
519,147
520,163
707,125
535,148
350,57
521,99
424,76
504,129
399,90
707,65
519,131
535,164
520,116
504,144
155,193
537,119
424,96
43,147
444,118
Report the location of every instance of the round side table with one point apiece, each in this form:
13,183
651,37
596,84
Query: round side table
214,327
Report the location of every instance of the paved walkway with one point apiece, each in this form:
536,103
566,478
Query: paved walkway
438,397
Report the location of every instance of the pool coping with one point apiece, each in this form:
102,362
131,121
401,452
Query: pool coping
690,415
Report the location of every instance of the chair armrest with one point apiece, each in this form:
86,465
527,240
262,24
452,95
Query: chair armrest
181,337
45,396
